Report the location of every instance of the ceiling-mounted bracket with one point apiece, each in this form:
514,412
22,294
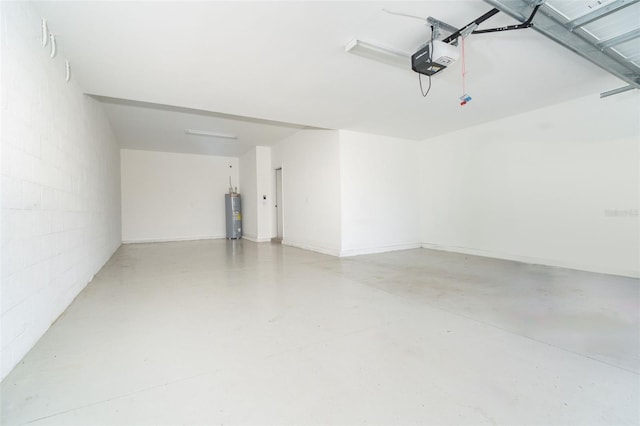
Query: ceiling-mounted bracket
440,25
475,22
526,24
618,90
470,28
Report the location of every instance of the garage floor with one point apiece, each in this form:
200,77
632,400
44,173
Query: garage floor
227,332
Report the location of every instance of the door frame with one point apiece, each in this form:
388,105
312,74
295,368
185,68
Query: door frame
279,203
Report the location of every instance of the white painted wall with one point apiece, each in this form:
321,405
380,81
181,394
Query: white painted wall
380,193
170,197
541,187
3,109
310,161
248,191
60,185
255,167
263,176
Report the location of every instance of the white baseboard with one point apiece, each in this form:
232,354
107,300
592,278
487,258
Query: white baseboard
173,239
323,250
533,260
382,249
256,239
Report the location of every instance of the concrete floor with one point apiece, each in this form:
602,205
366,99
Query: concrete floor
220,332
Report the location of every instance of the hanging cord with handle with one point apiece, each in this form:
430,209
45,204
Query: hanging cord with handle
465,97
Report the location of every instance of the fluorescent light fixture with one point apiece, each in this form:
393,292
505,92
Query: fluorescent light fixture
380,53
209,134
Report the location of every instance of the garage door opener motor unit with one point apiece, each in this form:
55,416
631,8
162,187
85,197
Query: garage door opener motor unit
434,57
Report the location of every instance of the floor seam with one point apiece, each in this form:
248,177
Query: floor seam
102,401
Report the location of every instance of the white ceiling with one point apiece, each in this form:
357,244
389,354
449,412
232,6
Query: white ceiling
152,127
285,62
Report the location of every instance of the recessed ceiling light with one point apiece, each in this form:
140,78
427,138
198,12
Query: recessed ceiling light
209,134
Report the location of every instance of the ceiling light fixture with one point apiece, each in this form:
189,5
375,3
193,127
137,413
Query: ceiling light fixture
209,134
380,53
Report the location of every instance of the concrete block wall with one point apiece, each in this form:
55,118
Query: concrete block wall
60,203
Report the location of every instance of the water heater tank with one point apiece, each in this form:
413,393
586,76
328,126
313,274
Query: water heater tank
233,215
